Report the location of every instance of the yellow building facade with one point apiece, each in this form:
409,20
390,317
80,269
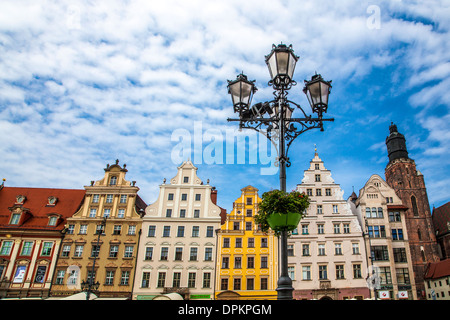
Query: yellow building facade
247,265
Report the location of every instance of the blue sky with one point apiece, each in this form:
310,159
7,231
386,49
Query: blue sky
83,83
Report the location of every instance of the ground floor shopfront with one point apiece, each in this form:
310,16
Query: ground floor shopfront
332,294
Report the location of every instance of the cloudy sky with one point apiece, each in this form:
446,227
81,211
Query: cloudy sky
83,83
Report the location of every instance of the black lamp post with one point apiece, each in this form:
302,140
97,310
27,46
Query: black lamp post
274,120
89,284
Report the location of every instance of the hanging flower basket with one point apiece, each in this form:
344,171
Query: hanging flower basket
281,211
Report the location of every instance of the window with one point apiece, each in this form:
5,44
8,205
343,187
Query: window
248,226
209,231
328,192
226,242
320,229
355,248
208,254
305,229
193,254
235,225
184,196
28,246
166,231
15,218
225,262
335,208
168,213
321,249
207,280
170,196
318,192
357,271
164,254
414,206
306,273
264,243
237,284
394,216
148,253
317,177
83,229
316,166
400,255
65,251
195,231
109,279
178,254
145,280
319,209
95,251
52,221
309,192
379,253
397,234
113,250
263,262
109,198
198,197
385,275
131,230
95,198
336,228
92,213
340,271
123,198
305,249
250,262
380,212
402,276
338,249
99,229
237,262
191,279
196,213
185,179
182,213
180,231
161,280
70,229
249,201
60,276
47,248
224,284
250,283
128,252
78,251
151,231
121,213
346,228
238,243
113,181
251,242
125,278
264,283
117,230
176,279
249,212
290,250
323,272
106,213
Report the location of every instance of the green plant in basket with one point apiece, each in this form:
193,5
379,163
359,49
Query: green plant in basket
280,210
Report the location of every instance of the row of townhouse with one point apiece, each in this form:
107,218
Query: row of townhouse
59,242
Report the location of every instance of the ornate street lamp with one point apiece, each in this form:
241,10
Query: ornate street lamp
275,120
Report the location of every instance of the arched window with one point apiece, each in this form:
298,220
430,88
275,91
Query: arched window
419,234
414,206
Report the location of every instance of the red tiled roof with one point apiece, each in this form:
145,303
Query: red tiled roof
440,217
437,270
69,201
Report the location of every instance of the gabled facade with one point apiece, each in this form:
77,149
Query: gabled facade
326,258
32,221
113,246
247,266
177,251
382,214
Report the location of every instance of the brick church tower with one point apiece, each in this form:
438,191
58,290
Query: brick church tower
409,185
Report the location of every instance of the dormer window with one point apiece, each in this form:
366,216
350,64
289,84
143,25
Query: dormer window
113,181
15,217
52,201
20,199
52,220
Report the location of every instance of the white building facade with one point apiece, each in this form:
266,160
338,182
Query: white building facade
177,250
326,253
